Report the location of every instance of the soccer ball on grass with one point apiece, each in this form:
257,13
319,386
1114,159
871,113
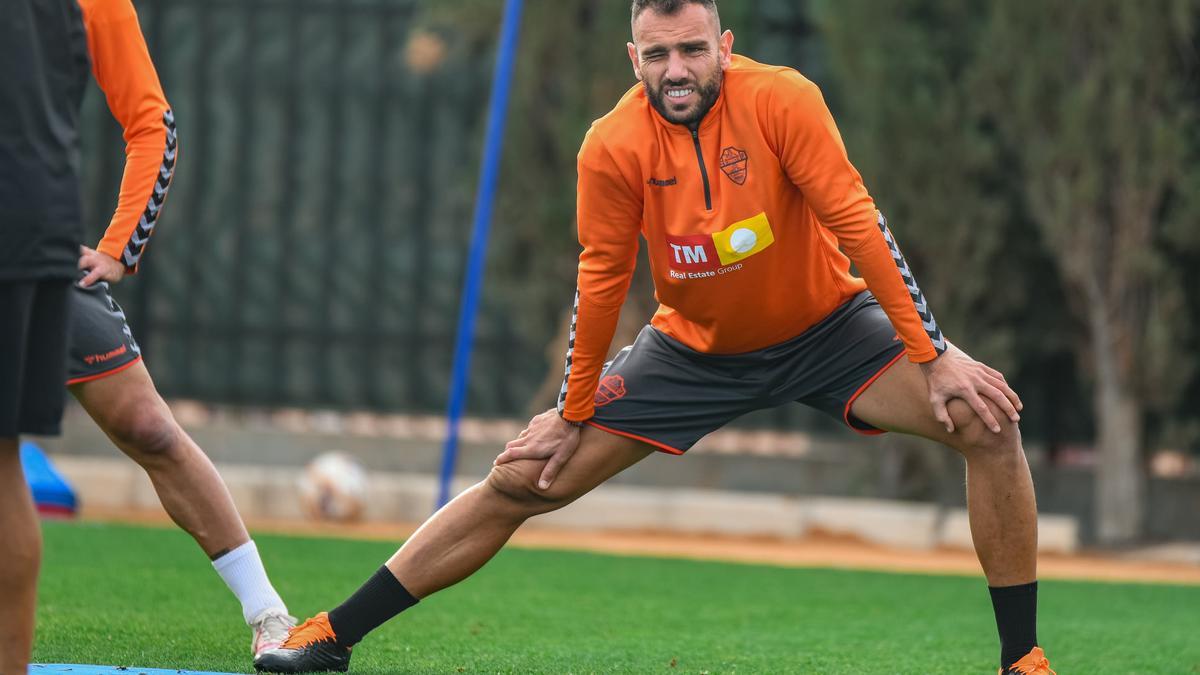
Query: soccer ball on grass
333,487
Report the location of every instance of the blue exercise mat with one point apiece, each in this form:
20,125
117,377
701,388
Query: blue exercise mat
83,669
51,492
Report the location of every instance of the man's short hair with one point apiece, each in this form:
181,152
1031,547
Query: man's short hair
669,7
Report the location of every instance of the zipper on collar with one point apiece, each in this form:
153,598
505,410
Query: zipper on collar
703,170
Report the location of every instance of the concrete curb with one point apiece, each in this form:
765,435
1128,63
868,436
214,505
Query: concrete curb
270,492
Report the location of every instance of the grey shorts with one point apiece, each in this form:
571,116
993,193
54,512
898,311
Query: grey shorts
664,393
99,342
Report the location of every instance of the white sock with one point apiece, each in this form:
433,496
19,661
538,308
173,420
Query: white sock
243,572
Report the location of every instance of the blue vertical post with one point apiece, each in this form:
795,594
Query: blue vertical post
484,198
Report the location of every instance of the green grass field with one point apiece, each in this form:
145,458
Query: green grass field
148,597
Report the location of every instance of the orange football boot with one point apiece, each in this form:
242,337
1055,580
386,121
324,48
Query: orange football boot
1033,663
311,647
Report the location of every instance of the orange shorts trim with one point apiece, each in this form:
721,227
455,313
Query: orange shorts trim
97,376
660,446
864,387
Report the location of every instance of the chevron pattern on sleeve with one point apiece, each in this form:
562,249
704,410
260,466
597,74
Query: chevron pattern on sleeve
145,227
562,393
918,298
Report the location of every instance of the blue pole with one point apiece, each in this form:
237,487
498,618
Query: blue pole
493,144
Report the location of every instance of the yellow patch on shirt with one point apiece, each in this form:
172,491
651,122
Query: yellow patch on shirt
743,239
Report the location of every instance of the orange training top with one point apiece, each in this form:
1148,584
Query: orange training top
122,67
751,223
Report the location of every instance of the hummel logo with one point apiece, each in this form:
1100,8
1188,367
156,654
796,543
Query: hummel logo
107,356
662,183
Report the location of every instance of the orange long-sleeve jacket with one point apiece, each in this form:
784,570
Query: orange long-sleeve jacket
751,222
122,67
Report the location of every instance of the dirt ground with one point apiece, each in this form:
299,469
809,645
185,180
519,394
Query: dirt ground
816,550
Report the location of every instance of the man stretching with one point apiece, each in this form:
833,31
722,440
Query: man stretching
736,177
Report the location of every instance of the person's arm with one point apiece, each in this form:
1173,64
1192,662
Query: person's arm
609,219
122,67
814,157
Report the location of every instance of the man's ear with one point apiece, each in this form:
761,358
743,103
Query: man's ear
633,59
725,48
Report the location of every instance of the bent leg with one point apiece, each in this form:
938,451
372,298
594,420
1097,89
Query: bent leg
129,410
19,564
462,536
1000,496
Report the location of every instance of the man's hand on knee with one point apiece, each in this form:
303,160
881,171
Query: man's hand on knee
956,375
547,437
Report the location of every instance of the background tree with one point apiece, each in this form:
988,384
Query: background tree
1099,116
943,177
1040,168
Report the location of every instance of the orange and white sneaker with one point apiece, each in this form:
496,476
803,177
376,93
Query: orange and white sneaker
270,629
1033,663
311,647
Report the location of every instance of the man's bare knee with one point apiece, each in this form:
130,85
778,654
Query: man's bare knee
974,439
516,481
146,434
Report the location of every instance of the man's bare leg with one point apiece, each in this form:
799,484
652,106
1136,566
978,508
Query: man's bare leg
454,543
1000,498
128,408
458,539
19,564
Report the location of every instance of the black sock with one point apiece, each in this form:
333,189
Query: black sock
1016,619
372,605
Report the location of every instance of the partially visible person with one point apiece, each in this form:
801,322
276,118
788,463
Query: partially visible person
105,370
43,72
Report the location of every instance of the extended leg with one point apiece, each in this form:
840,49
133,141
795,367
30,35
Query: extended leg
130,411
460,538
454,543
127,407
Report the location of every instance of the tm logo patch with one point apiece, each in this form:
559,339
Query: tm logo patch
706,255
693,253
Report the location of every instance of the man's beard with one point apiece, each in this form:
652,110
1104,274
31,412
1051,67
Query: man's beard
707,91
